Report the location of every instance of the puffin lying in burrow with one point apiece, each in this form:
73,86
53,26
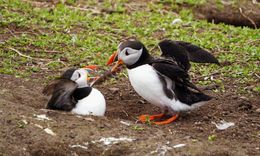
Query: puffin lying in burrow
72,92
163,82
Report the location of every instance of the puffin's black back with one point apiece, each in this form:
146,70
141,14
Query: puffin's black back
62,90
49,89
62,98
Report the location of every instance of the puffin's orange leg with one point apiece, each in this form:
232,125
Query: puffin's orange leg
145,118
173,118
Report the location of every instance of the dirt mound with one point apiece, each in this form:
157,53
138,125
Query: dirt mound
237,13
29,129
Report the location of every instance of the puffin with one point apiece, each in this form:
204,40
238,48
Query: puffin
72,92
160,81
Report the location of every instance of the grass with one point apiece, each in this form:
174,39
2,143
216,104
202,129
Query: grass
64,35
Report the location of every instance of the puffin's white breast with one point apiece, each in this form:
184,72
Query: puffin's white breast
147,84
93,104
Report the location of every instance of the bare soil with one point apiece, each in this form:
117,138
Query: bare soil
240,13
22,133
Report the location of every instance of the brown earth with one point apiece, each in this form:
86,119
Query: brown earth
22,133
237,13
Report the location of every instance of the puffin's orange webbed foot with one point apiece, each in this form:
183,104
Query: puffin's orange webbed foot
145,118
173,118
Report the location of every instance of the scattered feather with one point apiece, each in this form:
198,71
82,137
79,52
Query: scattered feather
125,123
206,78
112,140
179,145
89,119
49,131
176,21
79,146
25,122
42,117
161,150
223,125
39,126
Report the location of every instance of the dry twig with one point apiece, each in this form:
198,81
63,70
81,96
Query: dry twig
254,41
104,76
19,53
44,51
26,56
95,11
248,18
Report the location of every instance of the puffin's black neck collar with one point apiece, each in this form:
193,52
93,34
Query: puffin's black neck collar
81,93
144,59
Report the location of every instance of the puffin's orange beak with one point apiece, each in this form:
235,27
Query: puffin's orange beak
118,64
92,67
113,58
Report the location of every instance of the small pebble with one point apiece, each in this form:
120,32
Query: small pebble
114,90
244,98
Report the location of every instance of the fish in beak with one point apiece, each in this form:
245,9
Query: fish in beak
114,58
91,69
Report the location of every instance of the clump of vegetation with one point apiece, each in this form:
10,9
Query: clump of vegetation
39,37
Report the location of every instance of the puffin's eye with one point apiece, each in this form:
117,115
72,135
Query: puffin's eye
126,53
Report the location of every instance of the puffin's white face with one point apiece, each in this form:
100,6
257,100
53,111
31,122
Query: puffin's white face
80,76
129,56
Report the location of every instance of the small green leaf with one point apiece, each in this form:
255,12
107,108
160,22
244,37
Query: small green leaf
212,137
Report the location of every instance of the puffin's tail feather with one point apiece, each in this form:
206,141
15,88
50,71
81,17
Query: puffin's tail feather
185,95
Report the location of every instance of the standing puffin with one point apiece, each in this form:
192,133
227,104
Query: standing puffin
161,82
71,92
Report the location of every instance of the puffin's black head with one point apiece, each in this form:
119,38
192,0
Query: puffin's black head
80,76
132,53
68,73
133,44
166,47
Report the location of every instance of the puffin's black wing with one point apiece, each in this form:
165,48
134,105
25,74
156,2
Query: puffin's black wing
175,51
173,71
48,90
197,54
183,52
183,89
62,95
